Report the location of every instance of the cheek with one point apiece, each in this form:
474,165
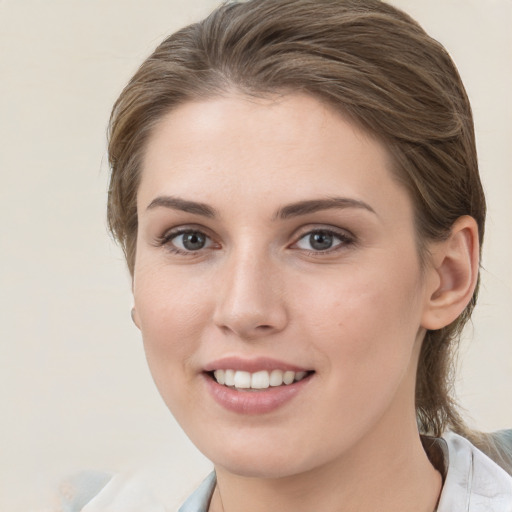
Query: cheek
169,304
172,316
365,321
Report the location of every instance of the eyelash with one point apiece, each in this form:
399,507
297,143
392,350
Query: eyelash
345,239
167,238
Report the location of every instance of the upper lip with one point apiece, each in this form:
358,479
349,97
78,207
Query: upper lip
252,365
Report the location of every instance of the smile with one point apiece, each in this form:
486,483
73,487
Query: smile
258,380
255,386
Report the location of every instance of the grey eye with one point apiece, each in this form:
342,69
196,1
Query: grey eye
321,240
190,241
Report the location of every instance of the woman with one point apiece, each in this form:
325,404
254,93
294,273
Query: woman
295,186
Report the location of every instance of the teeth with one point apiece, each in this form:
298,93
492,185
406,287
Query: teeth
229,377
288,377
242,380
220,376
258,380
276,378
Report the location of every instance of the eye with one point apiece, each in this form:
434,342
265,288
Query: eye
321,240
188,241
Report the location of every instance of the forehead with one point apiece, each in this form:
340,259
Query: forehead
262,152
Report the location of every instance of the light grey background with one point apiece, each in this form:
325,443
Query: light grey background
74,388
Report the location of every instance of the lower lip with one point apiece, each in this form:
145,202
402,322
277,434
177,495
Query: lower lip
254,402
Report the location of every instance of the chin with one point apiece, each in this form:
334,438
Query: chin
261,459
255,467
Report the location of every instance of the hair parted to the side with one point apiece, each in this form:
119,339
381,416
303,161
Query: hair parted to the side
368,60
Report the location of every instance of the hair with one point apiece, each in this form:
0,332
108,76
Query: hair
368,60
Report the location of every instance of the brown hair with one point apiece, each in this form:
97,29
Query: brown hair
365,58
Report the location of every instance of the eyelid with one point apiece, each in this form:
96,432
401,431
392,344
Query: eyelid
346,238
185,228
169,235
313,228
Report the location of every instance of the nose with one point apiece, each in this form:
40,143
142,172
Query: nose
250,300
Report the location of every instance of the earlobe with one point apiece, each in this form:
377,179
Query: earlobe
135,318
453,274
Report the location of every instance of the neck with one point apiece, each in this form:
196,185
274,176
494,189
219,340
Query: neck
387,470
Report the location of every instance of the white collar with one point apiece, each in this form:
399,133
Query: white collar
474,483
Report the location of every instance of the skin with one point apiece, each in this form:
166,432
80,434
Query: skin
356,314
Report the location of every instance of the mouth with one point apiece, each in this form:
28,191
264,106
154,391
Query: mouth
255,386
257,381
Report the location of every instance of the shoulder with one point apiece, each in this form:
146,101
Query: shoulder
199,500
473,479
501,442
94,491
80,488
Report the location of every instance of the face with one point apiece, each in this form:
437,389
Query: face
275,244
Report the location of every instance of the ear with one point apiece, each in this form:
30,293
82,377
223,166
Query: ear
135,318
452,275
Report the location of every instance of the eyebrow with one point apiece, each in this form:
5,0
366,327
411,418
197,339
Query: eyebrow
286,212
176,203
316,205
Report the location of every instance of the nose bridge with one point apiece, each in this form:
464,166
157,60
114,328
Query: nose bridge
250,300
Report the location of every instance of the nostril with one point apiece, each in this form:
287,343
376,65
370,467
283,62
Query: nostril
249,323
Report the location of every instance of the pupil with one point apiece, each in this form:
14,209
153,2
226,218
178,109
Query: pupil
320,241
193,241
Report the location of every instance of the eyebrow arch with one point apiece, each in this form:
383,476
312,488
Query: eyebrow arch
315,205
176,203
